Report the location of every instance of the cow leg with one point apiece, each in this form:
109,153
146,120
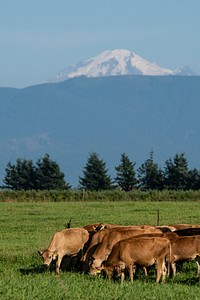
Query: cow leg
164,272
58,262
159,264
121,270
130,270
173,265
145,271
197,259
122,277
168,259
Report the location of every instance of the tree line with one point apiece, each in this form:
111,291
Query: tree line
46,175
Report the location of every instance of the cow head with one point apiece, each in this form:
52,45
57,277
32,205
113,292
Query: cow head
119,269
107,271
95,266
48,256
113,270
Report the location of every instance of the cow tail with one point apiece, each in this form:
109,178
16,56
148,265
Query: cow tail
169,259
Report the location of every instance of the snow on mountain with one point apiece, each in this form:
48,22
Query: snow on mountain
185,71
115,62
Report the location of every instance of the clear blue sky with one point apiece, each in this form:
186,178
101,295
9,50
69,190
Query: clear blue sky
38,38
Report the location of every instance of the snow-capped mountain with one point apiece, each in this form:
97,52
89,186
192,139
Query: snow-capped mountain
116,62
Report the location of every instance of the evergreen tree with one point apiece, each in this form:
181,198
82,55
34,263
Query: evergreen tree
21,176
95,175
25,176
150,175
176,173
49,176
193,179
126,174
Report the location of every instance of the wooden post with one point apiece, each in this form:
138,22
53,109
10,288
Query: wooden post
158,217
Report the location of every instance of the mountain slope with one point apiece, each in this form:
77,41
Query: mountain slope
114,63
108,115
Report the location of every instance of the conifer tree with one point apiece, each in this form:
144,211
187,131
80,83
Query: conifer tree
193,179
20,176
126,174
150,175
24,175
176,172
95,175
49,175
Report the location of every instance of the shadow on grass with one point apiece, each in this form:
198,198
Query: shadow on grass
36,270
188,281
43,269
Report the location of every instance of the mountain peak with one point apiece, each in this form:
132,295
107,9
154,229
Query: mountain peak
113,63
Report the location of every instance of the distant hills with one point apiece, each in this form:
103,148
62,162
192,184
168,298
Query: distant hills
108,115
114,63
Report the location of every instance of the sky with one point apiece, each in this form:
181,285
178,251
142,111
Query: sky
38,38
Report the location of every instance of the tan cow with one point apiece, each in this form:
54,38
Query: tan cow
139,251
97,238
65,242
93,244
110,239
185,248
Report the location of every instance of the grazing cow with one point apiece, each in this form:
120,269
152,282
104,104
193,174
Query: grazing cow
185,248
93,243
65,242
110,239
138,251
98,236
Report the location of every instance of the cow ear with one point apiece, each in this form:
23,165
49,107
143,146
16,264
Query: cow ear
55,254
40,252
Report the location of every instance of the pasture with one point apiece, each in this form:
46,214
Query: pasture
28,227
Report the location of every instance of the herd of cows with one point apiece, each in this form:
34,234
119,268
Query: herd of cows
116,250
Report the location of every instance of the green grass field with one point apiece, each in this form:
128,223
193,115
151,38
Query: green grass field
28,227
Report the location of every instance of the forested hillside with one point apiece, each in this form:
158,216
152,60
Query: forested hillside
110,116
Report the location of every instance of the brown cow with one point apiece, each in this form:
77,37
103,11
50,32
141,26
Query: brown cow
65,242
98,236
185,248
110,239
141,251
93,244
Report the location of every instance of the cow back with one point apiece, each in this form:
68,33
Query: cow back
69,240
111,238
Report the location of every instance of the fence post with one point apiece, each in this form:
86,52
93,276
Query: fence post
158,217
